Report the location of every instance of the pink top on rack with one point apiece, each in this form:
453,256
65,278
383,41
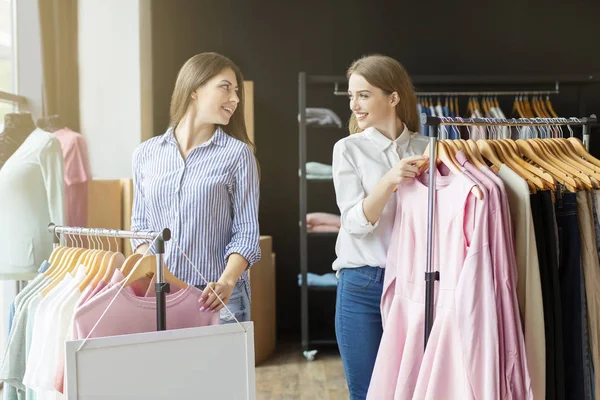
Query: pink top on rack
77,175
515,382
461,359
143,287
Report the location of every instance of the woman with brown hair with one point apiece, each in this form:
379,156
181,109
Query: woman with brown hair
200,179
381,152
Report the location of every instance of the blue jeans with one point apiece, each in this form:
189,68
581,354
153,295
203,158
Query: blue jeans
239,304
358,326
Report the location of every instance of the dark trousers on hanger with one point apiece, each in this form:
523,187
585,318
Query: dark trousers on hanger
544,224
572,297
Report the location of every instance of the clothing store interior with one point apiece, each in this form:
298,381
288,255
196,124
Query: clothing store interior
294,200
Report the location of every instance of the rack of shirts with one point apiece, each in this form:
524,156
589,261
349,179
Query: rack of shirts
511,269
83,293
158,238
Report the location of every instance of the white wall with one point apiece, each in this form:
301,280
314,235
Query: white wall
29,55
115,82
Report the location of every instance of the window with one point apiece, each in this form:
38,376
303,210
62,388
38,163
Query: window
7,55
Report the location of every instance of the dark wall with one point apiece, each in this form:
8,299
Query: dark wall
273,40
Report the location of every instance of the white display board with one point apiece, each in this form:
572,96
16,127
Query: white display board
215,362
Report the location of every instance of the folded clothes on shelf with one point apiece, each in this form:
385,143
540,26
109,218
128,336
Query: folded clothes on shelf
322,222
321,117
319,169
322,228
326,280
322,218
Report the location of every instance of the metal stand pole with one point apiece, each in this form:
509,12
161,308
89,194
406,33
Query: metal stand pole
430,275
586,131
162,288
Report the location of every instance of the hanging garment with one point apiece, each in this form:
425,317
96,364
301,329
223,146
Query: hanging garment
515,382
529,290
593,295
15,355
77,176
31,183
461,358
571,288
132,314
544,224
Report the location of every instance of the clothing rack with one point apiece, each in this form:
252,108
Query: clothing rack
435,123
159,239
492,93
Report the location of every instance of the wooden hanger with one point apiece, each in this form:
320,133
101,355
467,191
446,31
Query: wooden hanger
564,164
582,152
146,266
70,265
462,144
526,149
567,153
511,162
547,179
470,143
487,150
549,107
129,263
443,156
520,166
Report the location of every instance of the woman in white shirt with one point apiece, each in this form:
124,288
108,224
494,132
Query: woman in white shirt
381,152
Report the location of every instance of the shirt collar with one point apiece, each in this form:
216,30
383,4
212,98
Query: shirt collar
382,142
219,137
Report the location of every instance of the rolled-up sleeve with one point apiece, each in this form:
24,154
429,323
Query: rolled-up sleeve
245,238
350,194
139,214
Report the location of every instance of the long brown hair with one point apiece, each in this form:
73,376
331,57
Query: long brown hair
390,76
196,72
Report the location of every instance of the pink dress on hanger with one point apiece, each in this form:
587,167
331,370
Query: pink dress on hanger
461,359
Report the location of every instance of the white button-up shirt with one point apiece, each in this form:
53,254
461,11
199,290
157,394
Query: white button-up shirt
359,162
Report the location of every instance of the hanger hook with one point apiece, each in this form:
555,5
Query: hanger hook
57,236
572,119
116,241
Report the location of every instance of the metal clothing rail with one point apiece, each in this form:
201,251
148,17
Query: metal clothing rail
492,93
159,238
435,122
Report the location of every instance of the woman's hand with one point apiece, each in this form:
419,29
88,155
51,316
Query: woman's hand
209,301
407,169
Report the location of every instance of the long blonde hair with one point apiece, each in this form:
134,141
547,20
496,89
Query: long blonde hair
390,76
196,72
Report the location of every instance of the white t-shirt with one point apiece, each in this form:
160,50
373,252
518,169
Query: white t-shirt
359,162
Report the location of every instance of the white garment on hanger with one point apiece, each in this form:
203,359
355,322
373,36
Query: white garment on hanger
32,187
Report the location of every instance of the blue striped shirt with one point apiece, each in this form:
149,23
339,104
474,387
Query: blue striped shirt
209,201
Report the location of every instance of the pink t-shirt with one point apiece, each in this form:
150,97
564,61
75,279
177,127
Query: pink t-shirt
77,175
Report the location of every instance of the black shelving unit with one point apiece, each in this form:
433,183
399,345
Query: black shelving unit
304,81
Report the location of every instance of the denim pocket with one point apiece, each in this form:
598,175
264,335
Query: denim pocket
355,280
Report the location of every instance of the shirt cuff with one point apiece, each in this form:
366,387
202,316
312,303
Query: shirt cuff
358,222
252,256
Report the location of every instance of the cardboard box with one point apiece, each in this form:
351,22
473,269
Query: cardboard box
105,207
263,311
127,204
